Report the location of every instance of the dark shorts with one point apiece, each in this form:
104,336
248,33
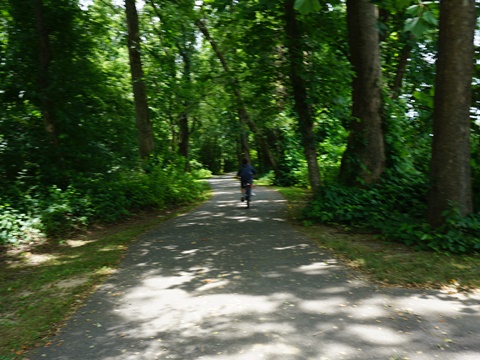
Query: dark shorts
245,182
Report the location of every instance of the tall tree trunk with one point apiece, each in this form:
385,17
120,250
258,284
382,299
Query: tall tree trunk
302,108
144,125
47,106
401,69
364,160
241,109
450,164
184,136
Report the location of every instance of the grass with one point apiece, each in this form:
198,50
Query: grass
388,263
42,285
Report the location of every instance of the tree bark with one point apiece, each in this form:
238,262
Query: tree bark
364,160
144,125
401,69
184,136
301,106
47,105
450,163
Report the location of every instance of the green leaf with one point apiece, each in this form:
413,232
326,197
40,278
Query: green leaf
417,26
307,6
429,18
414,10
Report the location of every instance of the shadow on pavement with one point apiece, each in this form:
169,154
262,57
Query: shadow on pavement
226,282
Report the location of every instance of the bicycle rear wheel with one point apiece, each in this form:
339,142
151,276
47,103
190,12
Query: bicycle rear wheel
248,193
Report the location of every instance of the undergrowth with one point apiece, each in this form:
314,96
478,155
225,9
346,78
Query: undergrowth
396,210
50,212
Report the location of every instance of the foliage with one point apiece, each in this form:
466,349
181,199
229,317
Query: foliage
86,177
395,208
307,6
56,212
422,18
15,225
198,172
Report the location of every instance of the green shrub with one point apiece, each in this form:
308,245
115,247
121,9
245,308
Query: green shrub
54,212
198,171
201,174
17,227
396,209
267,179
64,211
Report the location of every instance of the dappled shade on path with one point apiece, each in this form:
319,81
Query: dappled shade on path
226,282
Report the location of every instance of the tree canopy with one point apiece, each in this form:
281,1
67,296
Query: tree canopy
109,107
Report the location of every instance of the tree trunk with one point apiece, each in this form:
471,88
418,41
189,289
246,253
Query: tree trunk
184,136
401,69
144,125
302,108
44,57
450,163
364,160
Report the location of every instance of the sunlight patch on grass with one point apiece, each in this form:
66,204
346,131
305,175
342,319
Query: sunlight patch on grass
104,271
71,283
77,243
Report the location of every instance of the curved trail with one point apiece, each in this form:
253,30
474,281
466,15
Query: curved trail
225,282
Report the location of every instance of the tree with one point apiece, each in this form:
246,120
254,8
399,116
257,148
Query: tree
63,108
144,125
364,160
450,163
243,114
44,61
302,107
170,28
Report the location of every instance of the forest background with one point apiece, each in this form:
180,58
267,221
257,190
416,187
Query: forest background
109,108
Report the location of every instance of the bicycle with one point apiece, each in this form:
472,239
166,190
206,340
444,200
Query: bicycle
248,193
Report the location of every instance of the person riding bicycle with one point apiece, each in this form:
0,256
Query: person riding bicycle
245,173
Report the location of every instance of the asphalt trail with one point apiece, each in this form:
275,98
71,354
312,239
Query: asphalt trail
225,282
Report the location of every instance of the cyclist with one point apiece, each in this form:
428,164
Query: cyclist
245,173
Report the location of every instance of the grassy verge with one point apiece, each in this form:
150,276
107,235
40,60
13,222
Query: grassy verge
385,262
41,285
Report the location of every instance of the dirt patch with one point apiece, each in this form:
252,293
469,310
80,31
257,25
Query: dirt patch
77,242
71,283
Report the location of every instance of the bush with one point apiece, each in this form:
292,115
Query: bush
17,227
202,174
198,171
64,211
268,178
53,212
396,209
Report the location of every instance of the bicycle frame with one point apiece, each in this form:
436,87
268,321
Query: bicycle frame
248,193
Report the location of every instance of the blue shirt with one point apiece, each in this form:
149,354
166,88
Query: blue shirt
246,172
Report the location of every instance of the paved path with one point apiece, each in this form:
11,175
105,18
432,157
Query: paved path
225,282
